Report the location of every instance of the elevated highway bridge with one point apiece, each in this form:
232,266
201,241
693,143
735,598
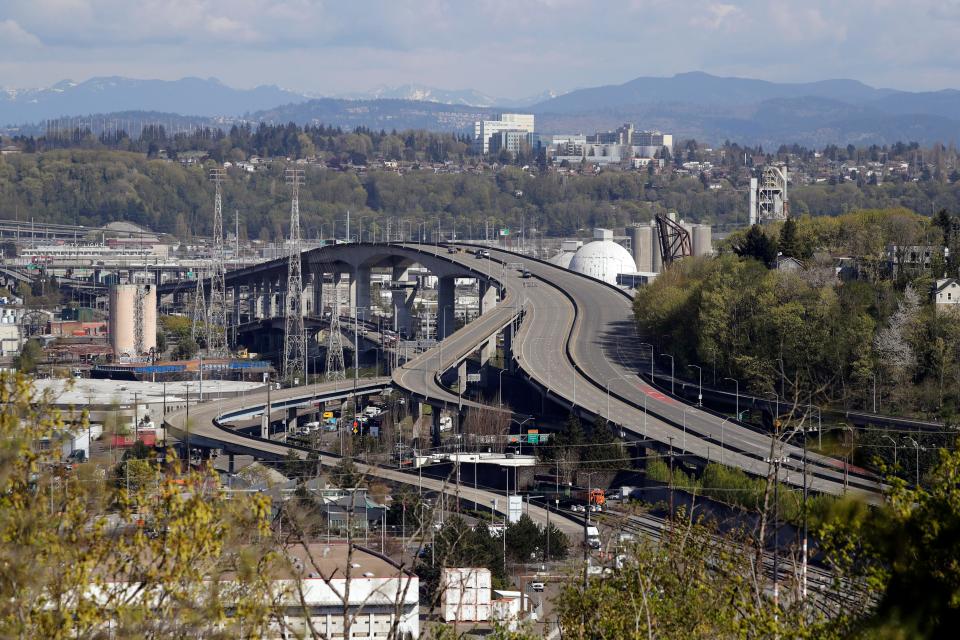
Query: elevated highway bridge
570,335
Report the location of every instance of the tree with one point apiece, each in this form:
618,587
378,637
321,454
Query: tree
81,555
30,355
523,539
757,245
186,349
788,244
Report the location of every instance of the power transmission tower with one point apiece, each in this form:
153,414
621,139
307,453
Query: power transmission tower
216,333
295,335
198,329
335,366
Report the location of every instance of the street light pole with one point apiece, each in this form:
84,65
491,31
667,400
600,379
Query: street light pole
894,451
647,344
672,378
699,383
916,445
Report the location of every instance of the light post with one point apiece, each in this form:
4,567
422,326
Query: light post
672,378
736,395
894,451
699,384
916,446
647,344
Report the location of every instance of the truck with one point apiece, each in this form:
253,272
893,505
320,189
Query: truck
591,536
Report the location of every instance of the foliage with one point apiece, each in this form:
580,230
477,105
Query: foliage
758,245
30,354
167,558
693,583
907,552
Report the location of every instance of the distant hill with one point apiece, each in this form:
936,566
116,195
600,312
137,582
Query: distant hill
188,96
376,114
704,89
689,105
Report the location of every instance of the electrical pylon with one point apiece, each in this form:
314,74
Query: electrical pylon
199,326
295,335
216,333
335,366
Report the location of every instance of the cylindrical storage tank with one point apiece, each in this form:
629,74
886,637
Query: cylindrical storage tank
123,298
641,245
656,259
130,303
702,240
149,318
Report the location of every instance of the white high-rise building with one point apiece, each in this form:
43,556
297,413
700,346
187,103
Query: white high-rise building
484,129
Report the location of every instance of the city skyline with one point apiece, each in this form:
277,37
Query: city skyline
501,49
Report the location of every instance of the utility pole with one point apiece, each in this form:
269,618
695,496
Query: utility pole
295,335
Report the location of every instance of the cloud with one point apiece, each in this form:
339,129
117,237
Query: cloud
13,35
501,47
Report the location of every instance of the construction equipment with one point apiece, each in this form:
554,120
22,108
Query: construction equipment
675,242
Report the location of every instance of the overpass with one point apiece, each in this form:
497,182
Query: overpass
206,425
570,335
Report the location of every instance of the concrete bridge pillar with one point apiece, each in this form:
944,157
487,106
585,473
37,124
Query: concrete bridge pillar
508,347
462,377
435,427
316,297
489,296
360,290
402,299
446,306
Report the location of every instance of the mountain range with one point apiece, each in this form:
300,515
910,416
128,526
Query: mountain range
698,105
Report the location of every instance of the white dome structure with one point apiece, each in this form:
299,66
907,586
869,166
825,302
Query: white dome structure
562,259
603,260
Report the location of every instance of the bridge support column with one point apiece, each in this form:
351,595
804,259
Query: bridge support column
508,347
435,427
462,377
489,296
446,303
317,289
402,299
291,419
488,349
360,290
230,464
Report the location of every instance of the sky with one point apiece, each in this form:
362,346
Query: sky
505,48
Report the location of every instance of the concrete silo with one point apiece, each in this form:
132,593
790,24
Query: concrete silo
656,260
642,246
133,319
702,240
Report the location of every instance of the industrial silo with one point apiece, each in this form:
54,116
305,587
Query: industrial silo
702,240
133,319
656,258
641,246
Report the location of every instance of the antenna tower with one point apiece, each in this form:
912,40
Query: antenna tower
335,366
295,335
216,333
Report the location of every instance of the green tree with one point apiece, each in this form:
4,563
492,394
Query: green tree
523,539
757,245
30,355
788,244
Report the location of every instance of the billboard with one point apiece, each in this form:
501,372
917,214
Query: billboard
515,508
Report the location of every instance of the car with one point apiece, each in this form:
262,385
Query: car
537,586
452,249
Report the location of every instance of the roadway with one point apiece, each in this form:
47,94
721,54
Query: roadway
205,428
577,341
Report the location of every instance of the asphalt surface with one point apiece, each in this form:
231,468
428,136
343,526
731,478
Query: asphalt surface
203,419
578,341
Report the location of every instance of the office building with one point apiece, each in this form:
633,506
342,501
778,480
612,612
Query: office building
483,130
